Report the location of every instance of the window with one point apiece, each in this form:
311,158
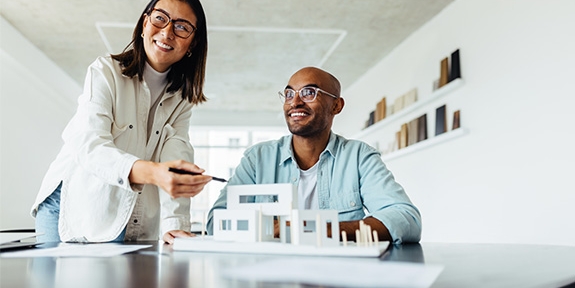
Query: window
243,225
219,151
234,142
225,225
258,198
309,226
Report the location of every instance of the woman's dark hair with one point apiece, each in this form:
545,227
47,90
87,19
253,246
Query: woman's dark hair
187,74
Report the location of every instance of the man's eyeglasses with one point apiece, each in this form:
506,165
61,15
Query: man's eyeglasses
161,19
306,94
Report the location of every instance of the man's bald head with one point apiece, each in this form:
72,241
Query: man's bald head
322,78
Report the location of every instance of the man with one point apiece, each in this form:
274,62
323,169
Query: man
330,171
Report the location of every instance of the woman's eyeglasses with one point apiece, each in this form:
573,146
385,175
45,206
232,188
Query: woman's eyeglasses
160,19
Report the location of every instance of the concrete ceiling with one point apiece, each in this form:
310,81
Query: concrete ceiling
254,45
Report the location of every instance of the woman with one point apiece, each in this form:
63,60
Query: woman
110,181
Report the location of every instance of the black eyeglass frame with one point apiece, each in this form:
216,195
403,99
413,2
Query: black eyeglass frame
170,20
285,99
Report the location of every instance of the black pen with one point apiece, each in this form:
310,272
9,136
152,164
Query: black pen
180,171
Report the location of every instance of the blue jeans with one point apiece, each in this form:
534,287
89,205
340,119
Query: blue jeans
47,219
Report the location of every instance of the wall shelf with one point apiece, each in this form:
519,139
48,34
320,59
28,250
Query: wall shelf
448,88
425,143
398,117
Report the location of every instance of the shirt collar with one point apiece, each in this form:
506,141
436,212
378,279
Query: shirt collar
287,150
331,147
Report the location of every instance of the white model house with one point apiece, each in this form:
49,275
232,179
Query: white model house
309,227
240,225
250,213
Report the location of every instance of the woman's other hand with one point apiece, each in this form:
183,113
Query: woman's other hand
171,235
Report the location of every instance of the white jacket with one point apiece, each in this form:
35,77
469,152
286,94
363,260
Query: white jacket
102,141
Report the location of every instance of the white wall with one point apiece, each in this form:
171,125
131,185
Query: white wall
37,100
510,179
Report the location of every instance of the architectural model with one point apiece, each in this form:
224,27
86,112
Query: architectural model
247,226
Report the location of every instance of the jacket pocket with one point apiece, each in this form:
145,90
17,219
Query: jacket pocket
167,132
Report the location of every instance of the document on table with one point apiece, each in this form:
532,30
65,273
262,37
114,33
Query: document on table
77,250
338,272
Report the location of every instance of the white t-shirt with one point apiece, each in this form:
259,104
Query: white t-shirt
307,198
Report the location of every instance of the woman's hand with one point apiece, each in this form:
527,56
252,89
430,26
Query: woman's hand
176,185
171,235
181,185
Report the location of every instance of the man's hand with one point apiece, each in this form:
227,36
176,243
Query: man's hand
350,226
277,228
171,235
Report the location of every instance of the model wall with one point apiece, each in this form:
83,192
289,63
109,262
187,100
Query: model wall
510,178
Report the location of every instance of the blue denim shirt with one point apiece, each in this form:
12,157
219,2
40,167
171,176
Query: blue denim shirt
351,177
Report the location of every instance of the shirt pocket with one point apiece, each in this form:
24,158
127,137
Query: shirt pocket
348,204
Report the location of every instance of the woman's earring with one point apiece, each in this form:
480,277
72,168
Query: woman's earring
189,53
142,35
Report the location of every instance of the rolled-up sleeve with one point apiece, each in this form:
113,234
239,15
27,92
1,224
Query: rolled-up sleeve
386,200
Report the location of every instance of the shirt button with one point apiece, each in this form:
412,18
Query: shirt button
131,126
120,181
161,104
135,220
352,204
157,132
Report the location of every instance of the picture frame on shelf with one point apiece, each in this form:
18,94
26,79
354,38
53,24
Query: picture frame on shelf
422,128
456,120
403,136
381,110
455,66
440,120
412,131
435,85
444,72
410,97
398,104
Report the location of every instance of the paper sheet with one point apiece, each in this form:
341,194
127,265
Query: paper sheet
77,250
338,272
208,244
